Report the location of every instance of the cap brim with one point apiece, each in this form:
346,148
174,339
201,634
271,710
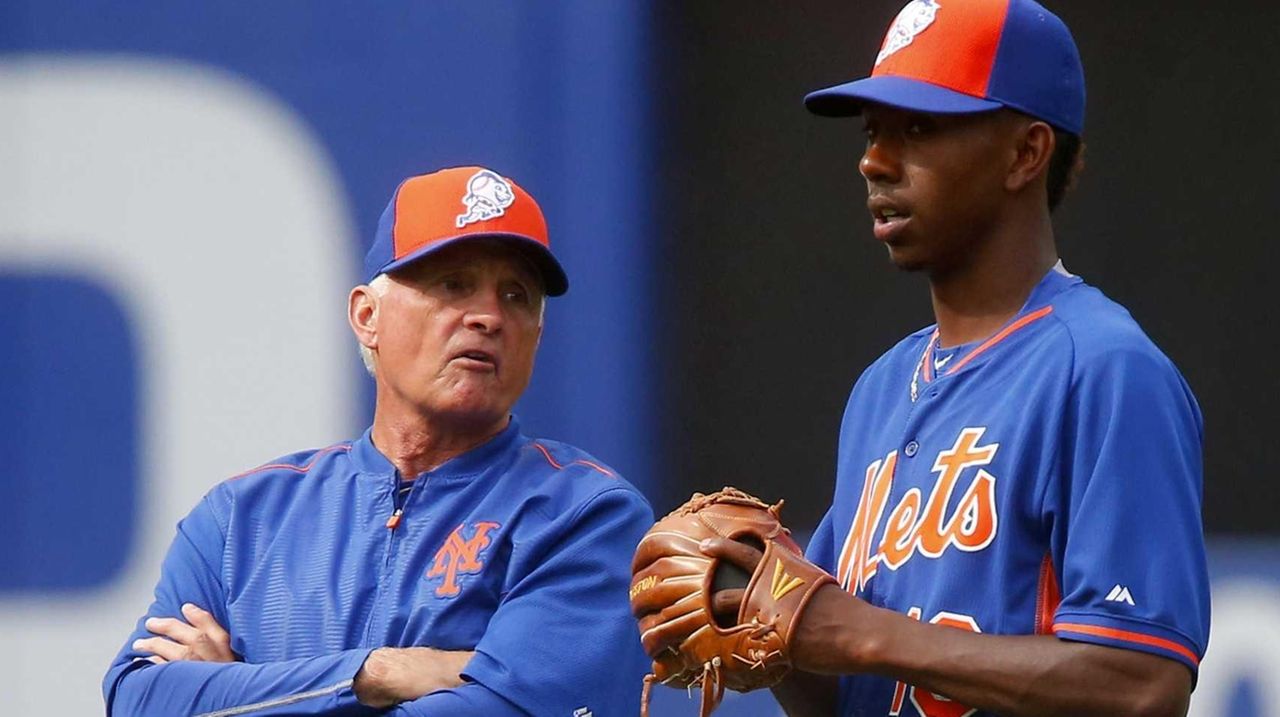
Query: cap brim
554,280
901,92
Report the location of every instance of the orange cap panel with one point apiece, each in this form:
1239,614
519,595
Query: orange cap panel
430,207
957,50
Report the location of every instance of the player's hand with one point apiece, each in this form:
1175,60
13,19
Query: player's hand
393,675
826,612
200,638
726,603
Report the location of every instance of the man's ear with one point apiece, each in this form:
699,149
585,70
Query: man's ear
1036,143
362,315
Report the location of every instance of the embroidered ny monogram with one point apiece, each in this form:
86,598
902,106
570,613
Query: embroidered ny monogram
460,555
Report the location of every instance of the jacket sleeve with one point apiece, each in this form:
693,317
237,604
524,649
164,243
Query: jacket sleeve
469,700
563,640
191,572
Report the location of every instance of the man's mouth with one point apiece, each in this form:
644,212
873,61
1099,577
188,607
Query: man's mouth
883,209
477,358
888,215
889,218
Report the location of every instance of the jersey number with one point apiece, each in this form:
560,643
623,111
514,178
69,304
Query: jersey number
927,703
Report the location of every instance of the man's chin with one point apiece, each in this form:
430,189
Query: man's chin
905,262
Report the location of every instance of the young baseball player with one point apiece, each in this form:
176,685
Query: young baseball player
1016,525
441,564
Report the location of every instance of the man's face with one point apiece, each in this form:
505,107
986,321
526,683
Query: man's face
457,332
935,183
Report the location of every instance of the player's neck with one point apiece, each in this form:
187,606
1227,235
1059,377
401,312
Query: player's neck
416,444
976,300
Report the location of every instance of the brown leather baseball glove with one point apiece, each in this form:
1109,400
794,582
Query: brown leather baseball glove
672,585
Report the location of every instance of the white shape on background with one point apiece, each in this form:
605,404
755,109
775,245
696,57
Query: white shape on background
1244,641
215,216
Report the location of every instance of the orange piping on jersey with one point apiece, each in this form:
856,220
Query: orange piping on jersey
1137,637
1004,334
1047,597
288,467
557,466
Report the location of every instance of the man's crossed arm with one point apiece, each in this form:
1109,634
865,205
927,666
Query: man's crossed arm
388,677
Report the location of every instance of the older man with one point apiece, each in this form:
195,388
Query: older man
441,564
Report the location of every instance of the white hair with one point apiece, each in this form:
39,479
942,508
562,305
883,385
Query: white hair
379,286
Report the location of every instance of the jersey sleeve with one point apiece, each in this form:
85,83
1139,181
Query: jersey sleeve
563,640
1126,532
191,572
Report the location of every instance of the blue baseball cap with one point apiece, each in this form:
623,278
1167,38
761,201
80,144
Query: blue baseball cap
431,211
966,56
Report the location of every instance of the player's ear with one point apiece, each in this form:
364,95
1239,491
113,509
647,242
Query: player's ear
362,315
1033,153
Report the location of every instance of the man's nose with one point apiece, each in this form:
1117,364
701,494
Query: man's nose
484,310
880,162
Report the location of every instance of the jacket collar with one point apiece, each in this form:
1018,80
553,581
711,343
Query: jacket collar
369,459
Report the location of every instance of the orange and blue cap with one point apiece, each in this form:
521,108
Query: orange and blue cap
967,56
431,211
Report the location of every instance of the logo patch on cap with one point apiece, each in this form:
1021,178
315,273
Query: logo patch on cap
488,196
913,20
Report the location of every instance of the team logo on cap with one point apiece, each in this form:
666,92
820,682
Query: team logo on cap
914,18
488,196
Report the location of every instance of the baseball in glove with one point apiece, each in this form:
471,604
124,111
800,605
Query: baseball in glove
673,582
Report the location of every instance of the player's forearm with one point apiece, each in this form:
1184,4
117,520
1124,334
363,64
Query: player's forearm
1009,675
804,694
393,675
1033,675
319,685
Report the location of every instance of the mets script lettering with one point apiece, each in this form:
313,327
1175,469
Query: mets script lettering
460,555
916,525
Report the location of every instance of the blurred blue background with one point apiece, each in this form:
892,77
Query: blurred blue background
185,193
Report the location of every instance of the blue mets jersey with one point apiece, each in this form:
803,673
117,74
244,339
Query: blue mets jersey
1044,481
519,549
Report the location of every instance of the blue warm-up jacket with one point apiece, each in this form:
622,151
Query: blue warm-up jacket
519,549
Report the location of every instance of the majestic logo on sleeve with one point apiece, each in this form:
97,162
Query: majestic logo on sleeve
912,21
918,525
460,555
1120,593
488,196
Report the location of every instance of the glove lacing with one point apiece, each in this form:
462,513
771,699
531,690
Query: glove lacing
712,694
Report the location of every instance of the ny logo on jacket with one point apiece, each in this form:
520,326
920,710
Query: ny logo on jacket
460,555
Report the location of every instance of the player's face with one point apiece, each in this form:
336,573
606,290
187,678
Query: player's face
935,183
457,333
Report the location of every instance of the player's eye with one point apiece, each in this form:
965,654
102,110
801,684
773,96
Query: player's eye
453,284
516,295
920,125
